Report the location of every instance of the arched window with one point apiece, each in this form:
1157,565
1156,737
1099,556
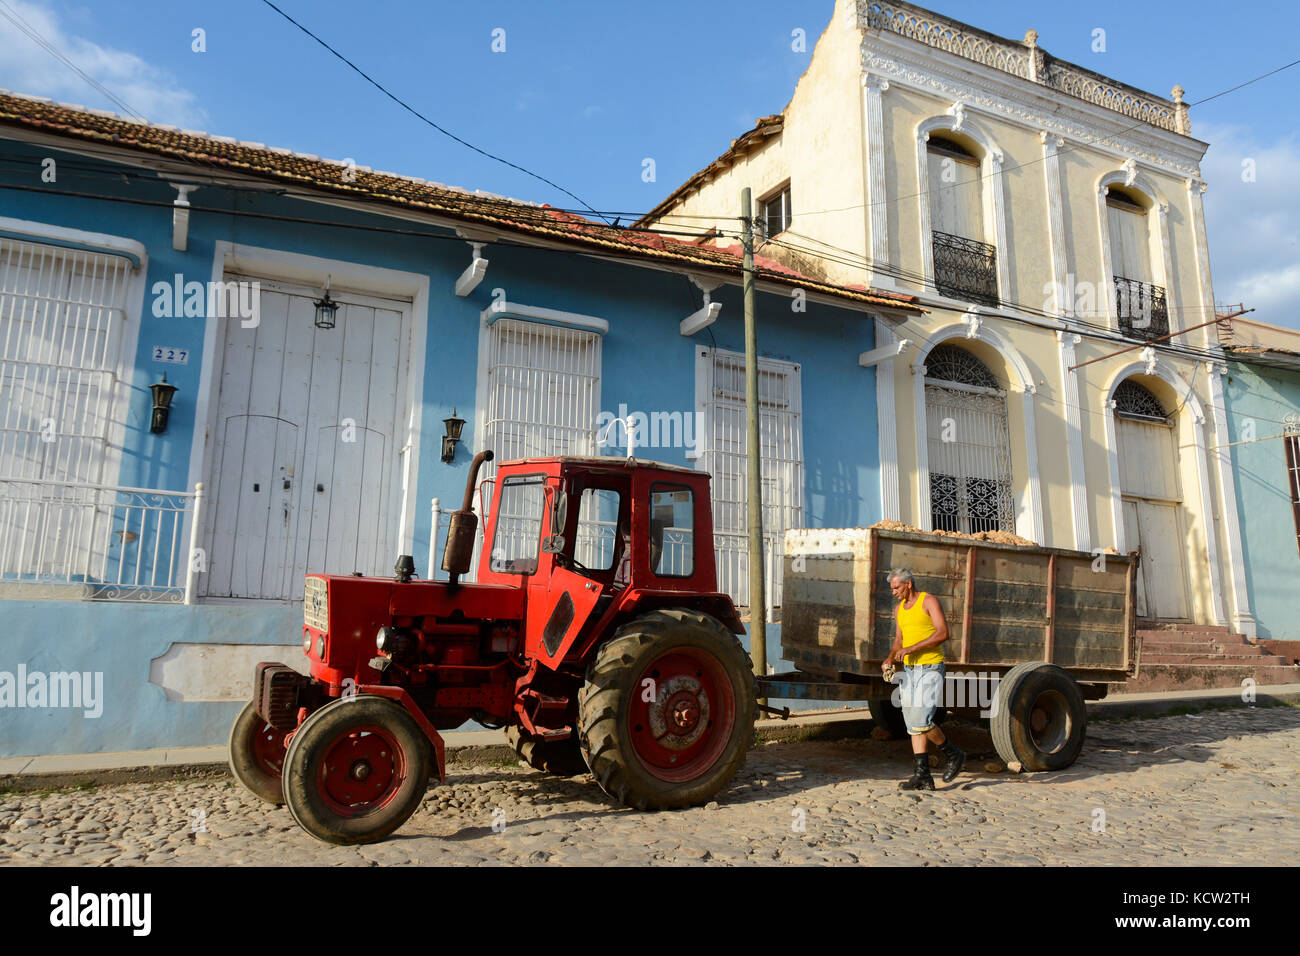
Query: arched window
1134,401
969,444
1140,304
965,266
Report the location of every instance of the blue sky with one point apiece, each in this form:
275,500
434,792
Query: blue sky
584,92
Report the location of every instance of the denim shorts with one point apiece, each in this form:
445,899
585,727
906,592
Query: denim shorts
920,693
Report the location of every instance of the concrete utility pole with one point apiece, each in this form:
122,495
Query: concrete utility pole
753,455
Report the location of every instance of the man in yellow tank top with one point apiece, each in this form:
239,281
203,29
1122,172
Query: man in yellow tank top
920,630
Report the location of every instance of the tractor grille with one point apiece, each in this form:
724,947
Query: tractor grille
278,689
316,604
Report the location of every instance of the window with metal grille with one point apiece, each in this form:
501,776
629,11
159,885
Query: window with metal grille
1292,446
61,314
61,318
542,399
969,444
543,390
1134,401
781,441
965,266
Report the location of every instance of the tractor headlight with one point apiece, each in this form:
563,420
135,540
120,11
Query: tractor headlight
306,642
386,639
320,647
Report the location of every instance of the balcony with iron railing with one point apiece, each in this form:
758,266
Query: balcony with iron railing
1142,309
965,269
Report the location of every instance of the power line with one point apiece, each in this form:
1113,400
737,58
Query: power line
420,116
31,32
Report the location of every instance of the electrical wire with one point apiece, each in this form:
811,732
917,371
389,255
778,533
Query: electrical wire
420,116
31,32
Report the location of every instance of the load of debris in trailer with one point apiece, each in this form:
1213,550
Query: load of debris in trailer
996,537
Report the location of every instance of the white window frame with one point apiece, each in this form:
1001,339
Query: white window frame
1162,266
705,403
24,230
554,320
782,195
991,193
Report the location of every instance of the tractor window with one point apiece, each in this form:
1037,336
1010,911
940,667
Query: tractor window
596,541
518,532
672,531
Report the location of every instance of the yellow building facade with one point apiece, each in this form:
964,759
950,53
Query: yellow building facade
1048,217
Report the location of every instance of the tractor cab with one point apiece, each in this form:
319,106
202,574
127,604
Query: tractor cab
595,539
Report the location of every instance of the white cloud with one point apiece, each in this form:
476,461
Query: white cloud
1254,226
27,68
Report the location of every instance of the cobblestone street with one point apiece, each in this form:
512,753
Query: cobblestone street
1213,788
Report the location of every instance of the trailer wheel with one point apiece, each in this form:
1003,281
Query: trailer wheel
1040,719
257,755
356,770
562,758
887,716
667,711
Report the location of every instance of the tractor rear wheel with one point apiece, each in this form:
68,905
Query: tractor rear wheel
562,758
667,711
356,770
257,754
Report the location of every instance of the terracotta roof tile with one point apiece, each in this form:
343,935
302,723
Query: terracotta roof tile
322,176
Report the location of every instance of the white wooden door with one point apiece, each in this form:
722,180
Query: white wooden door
1152,519
307,438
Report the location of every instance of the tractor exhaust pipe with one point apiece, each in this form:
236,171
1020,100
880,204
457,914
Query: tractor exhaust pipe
458,554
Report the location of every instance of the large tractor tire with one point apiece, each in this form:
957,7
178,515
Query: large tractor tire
667,711
562,758
257,755
356,770
1040,718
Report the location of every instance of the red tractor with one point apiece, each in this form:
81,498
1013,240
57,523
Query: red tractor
595,635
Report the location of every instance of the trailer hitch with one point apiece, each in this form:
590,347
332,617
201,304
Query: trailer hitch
782,712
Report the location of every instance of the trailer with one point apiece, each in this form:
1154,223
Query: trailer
1033,632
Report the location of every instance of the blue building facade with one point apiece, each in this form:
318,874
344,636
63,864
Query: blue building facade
143,573
1262,395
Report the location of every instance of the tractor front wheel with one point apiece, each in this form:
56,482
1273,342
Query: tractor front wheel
257,754
667,711
356,770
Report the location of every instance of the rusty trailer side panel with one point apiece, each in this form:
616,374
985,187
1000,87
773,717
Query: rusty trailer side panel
1005,605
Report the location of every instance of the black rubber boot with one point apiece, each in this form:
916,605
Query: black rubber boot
920,779
954,758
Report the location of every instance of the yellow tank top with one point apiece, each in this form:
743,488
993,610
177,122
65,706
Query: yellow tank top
916,626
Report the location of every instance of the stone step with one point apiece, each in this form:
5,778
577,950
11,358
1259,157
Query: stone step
1178,677
1268,660
1194,647
1148,627
1190,634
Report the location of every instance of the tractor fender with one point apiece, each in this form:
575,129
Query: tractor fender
715,604
400,695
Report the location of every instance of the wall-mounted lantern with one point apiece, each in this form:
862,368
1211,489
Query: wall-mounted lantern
326,309
162,404
454,425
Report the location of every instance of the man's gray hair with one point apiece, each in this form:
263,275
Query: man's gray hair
901,574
